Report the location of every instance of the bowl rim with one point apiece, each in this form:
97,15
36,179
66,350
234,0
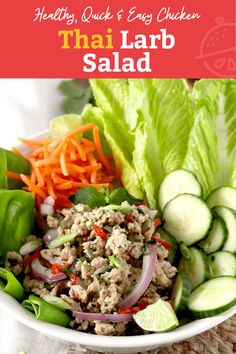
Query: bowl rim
13,307
153,340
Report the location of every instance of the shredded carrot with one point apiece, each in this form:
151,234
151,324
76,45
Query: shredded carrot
30,142
79,148
65,185
32,187
50,188
36,152
118,171
17,152
13,175
59,167
100,153
63,161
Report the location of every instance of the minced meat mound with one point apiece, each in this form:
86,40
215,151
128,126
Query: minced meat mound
103,263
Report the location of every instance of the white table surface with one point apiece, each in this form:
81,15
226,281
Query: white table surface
26,106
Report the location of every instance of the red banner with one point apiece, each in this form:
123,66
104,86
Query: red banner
71,38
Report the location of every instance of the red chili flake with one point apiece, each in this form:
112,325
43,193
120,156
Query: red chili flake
100,232
157,223
162,242
56,269
29,259
145,203
73,278
77,298
65,265
130,219
128,310
143,304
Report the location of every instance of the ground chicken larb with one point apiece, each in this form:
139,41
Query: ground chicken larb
103,263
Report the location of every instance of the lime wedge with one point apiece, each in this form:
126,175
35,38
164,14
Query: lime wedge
63,124
158,317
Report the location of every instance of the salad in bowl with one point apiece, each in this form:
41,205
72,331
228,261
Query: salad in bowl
122,221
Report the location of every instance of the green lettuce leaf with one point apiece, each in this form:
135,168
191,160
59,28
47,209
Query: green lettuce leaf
121,143
212,142
111,96
154,126
162,130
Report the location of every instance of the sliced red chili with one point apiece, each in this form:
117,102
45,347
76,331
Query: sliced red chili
77,298
56,269
29,259
143,304
128,310
130,219
162,242
145,203
73,278
100,232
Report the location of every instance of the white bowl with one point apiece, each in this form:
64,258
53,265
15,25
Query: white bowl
123,344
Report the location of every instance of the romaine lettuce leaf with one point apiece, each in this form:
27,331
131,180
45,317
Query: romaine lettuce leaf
121,143
161,136
154,126
212,142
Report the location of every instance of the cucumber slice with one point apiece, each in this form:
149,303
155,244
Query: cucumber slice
216,237
197,268
229,217
222,263
177,182
213,297
222,196
187,218
174,245
181,292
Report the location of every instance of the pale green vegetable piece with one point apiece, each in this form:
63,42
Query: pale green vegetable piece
61,240
63,124
158,317
57,302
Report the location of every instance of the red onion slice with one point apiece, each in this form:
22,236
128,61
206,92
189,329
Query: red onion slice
50,235
149,263
102,317
42,273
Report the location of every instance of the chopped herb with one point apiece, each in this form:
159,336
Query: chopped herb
121,208
77,93
105,191
48,286
115,261
120,195
152,242
62,224
95,199
89,196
